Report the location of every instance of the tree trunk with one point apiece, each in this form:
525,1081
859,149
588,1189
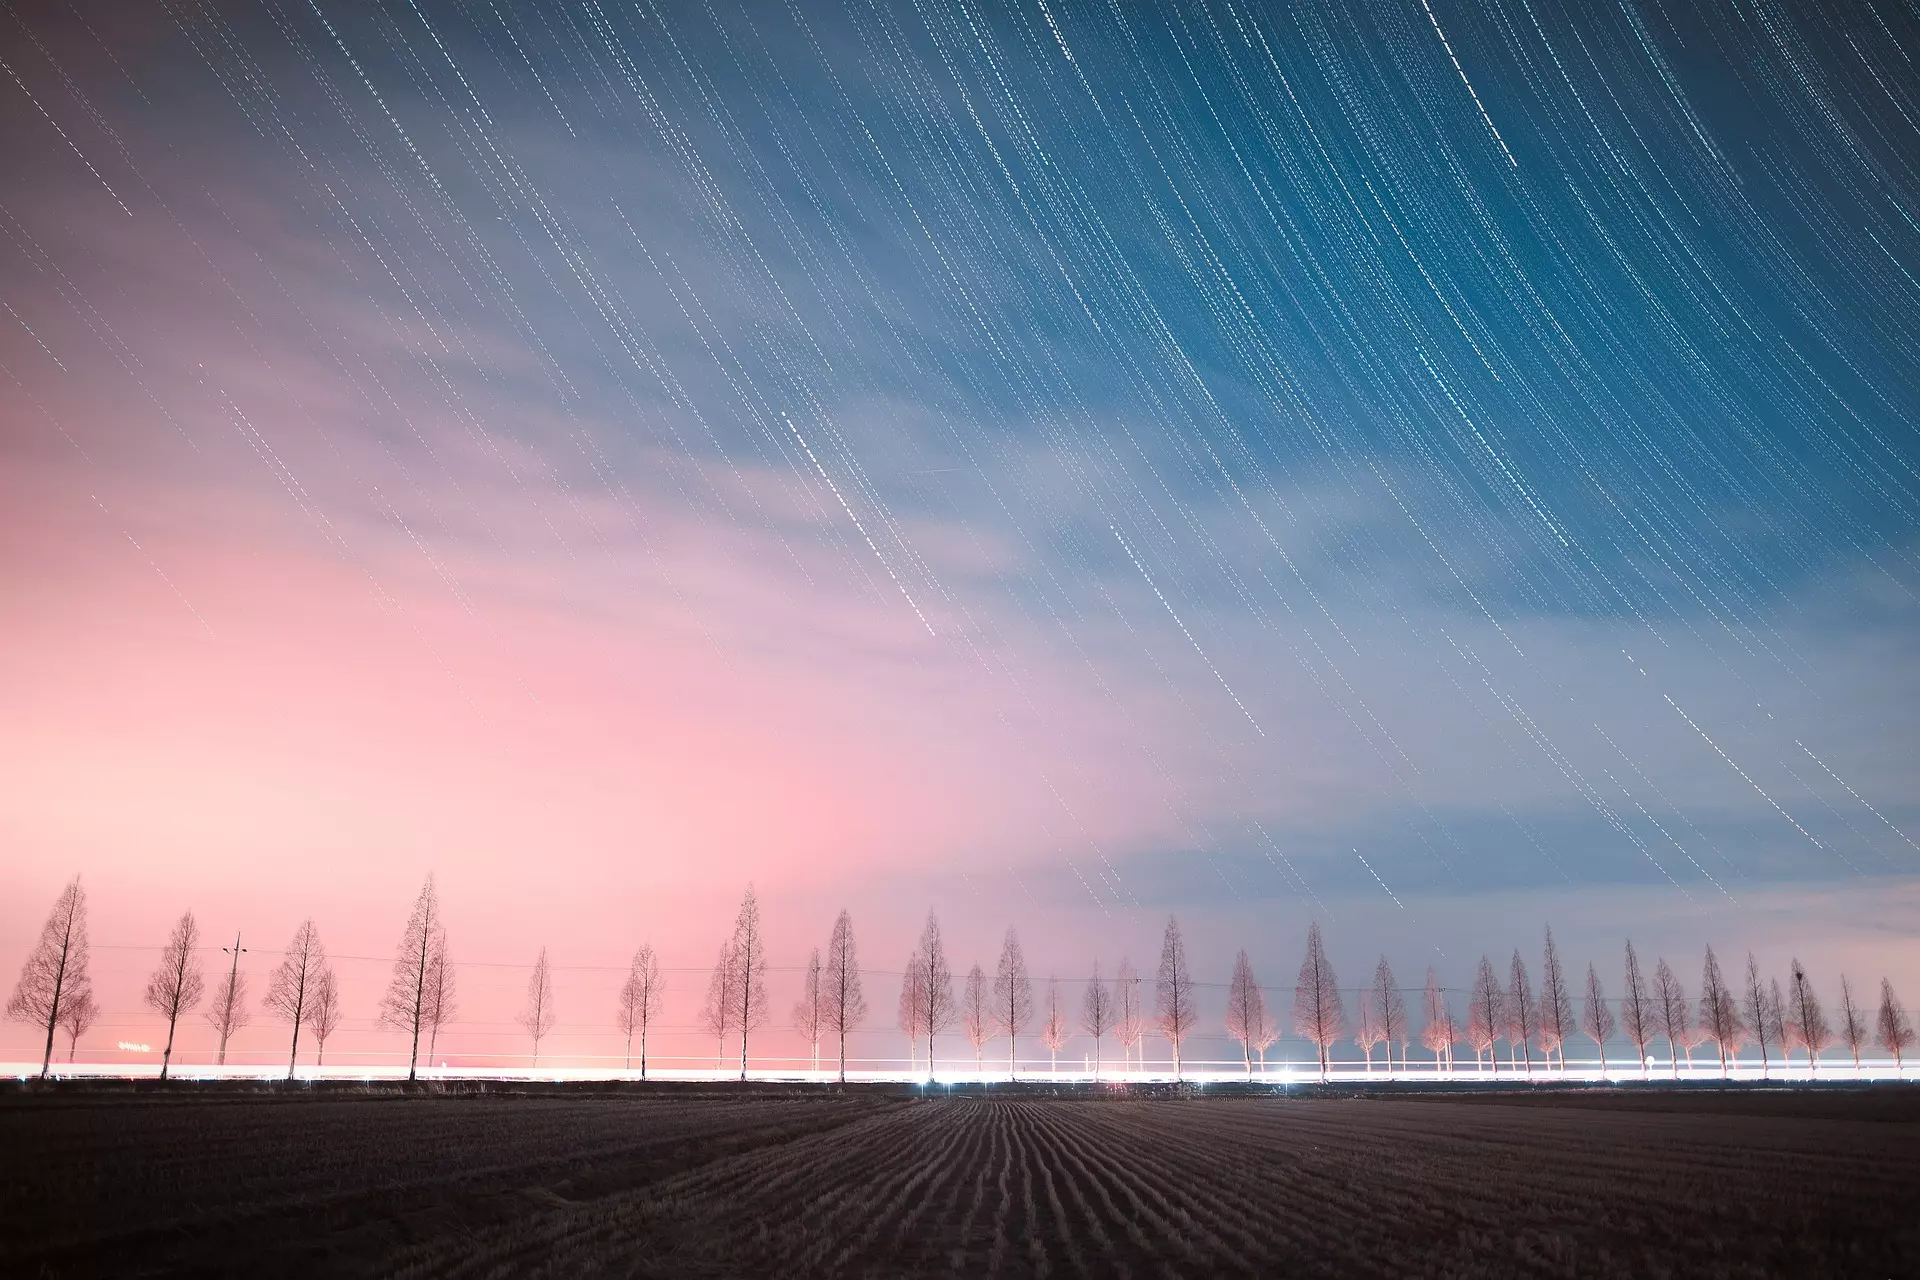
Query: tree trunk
293,1054
166,1058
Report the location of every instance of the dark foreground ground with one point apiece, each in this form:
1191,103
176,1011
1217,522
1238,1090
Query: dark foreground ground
882,1182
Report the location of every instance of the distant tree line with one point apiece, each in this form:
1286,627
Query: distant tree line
55,994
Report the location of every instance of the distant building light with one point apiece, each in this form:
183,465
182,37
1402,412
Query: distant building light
128,1046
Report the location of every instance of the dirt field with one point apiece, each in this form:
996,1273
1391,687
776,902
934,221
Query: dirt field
882,1183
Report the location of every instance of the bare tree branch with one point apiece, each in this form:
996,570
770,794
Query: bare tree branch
56,968
1012,998
539,1015
290,985
1174,1011
846,1005
1096,1013
176,985
1317,1011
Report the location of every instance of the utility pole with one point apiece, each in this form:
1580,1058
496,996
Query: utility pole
235,951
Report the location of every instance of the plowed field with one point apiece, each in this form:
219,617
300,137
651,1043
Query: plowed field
884,1184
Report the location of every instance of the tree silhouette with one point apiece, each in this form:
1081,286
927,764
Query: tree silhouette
78,1013
323,1013
1755,1011
290,985
539,1014
1439,1033
1174,1012
1012,998
227,1011
1523,1015
913,998
1719,1014
1806,1022
1367,1031
1853,1022
176,985
56,969
1556,1005
1055,1030
1486,1013
1391,1009
976,1017
404,1007
1636,1011
1676,1020
1130,1024
1096,1013
640,998
935,1011
1595,1018
1317,1012
806,1010
1247,1018
437,1003
749,953
1896,1031
722,1007
844,1006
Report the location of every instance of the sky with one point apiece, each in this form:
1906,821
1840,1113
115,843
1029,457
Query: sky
1437,469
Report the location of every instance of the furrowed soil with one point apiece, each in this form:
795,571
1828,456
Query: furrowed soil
884,1182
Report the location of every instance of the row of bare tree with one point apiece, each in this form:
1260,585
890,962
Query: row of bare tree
55,992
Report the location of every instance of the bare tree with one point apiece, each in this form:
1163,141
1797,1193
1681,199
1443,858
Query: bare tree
1055,1029
1486,1014
227,1011
176,985
1676,1020
56,968
1391,1008
1596,1019
913,999
1896,1031
937,1009
1556,1005
976,1015
1439,1033
640,998
1755,1013
1130,1024
806,1011
1777,1019
1636,1011
539,1015
1853,1022
1806,1023
404,1007
1174,1012
750,964
78,1013
323,1013
1012,998
1247,1018
1096,1013
1523,1015
1317,1012
1367,1031
722,1008
845,1006
290,985
1719,1014
437,1003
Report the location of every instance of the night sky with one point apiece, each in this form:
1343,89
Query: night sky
1434,468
